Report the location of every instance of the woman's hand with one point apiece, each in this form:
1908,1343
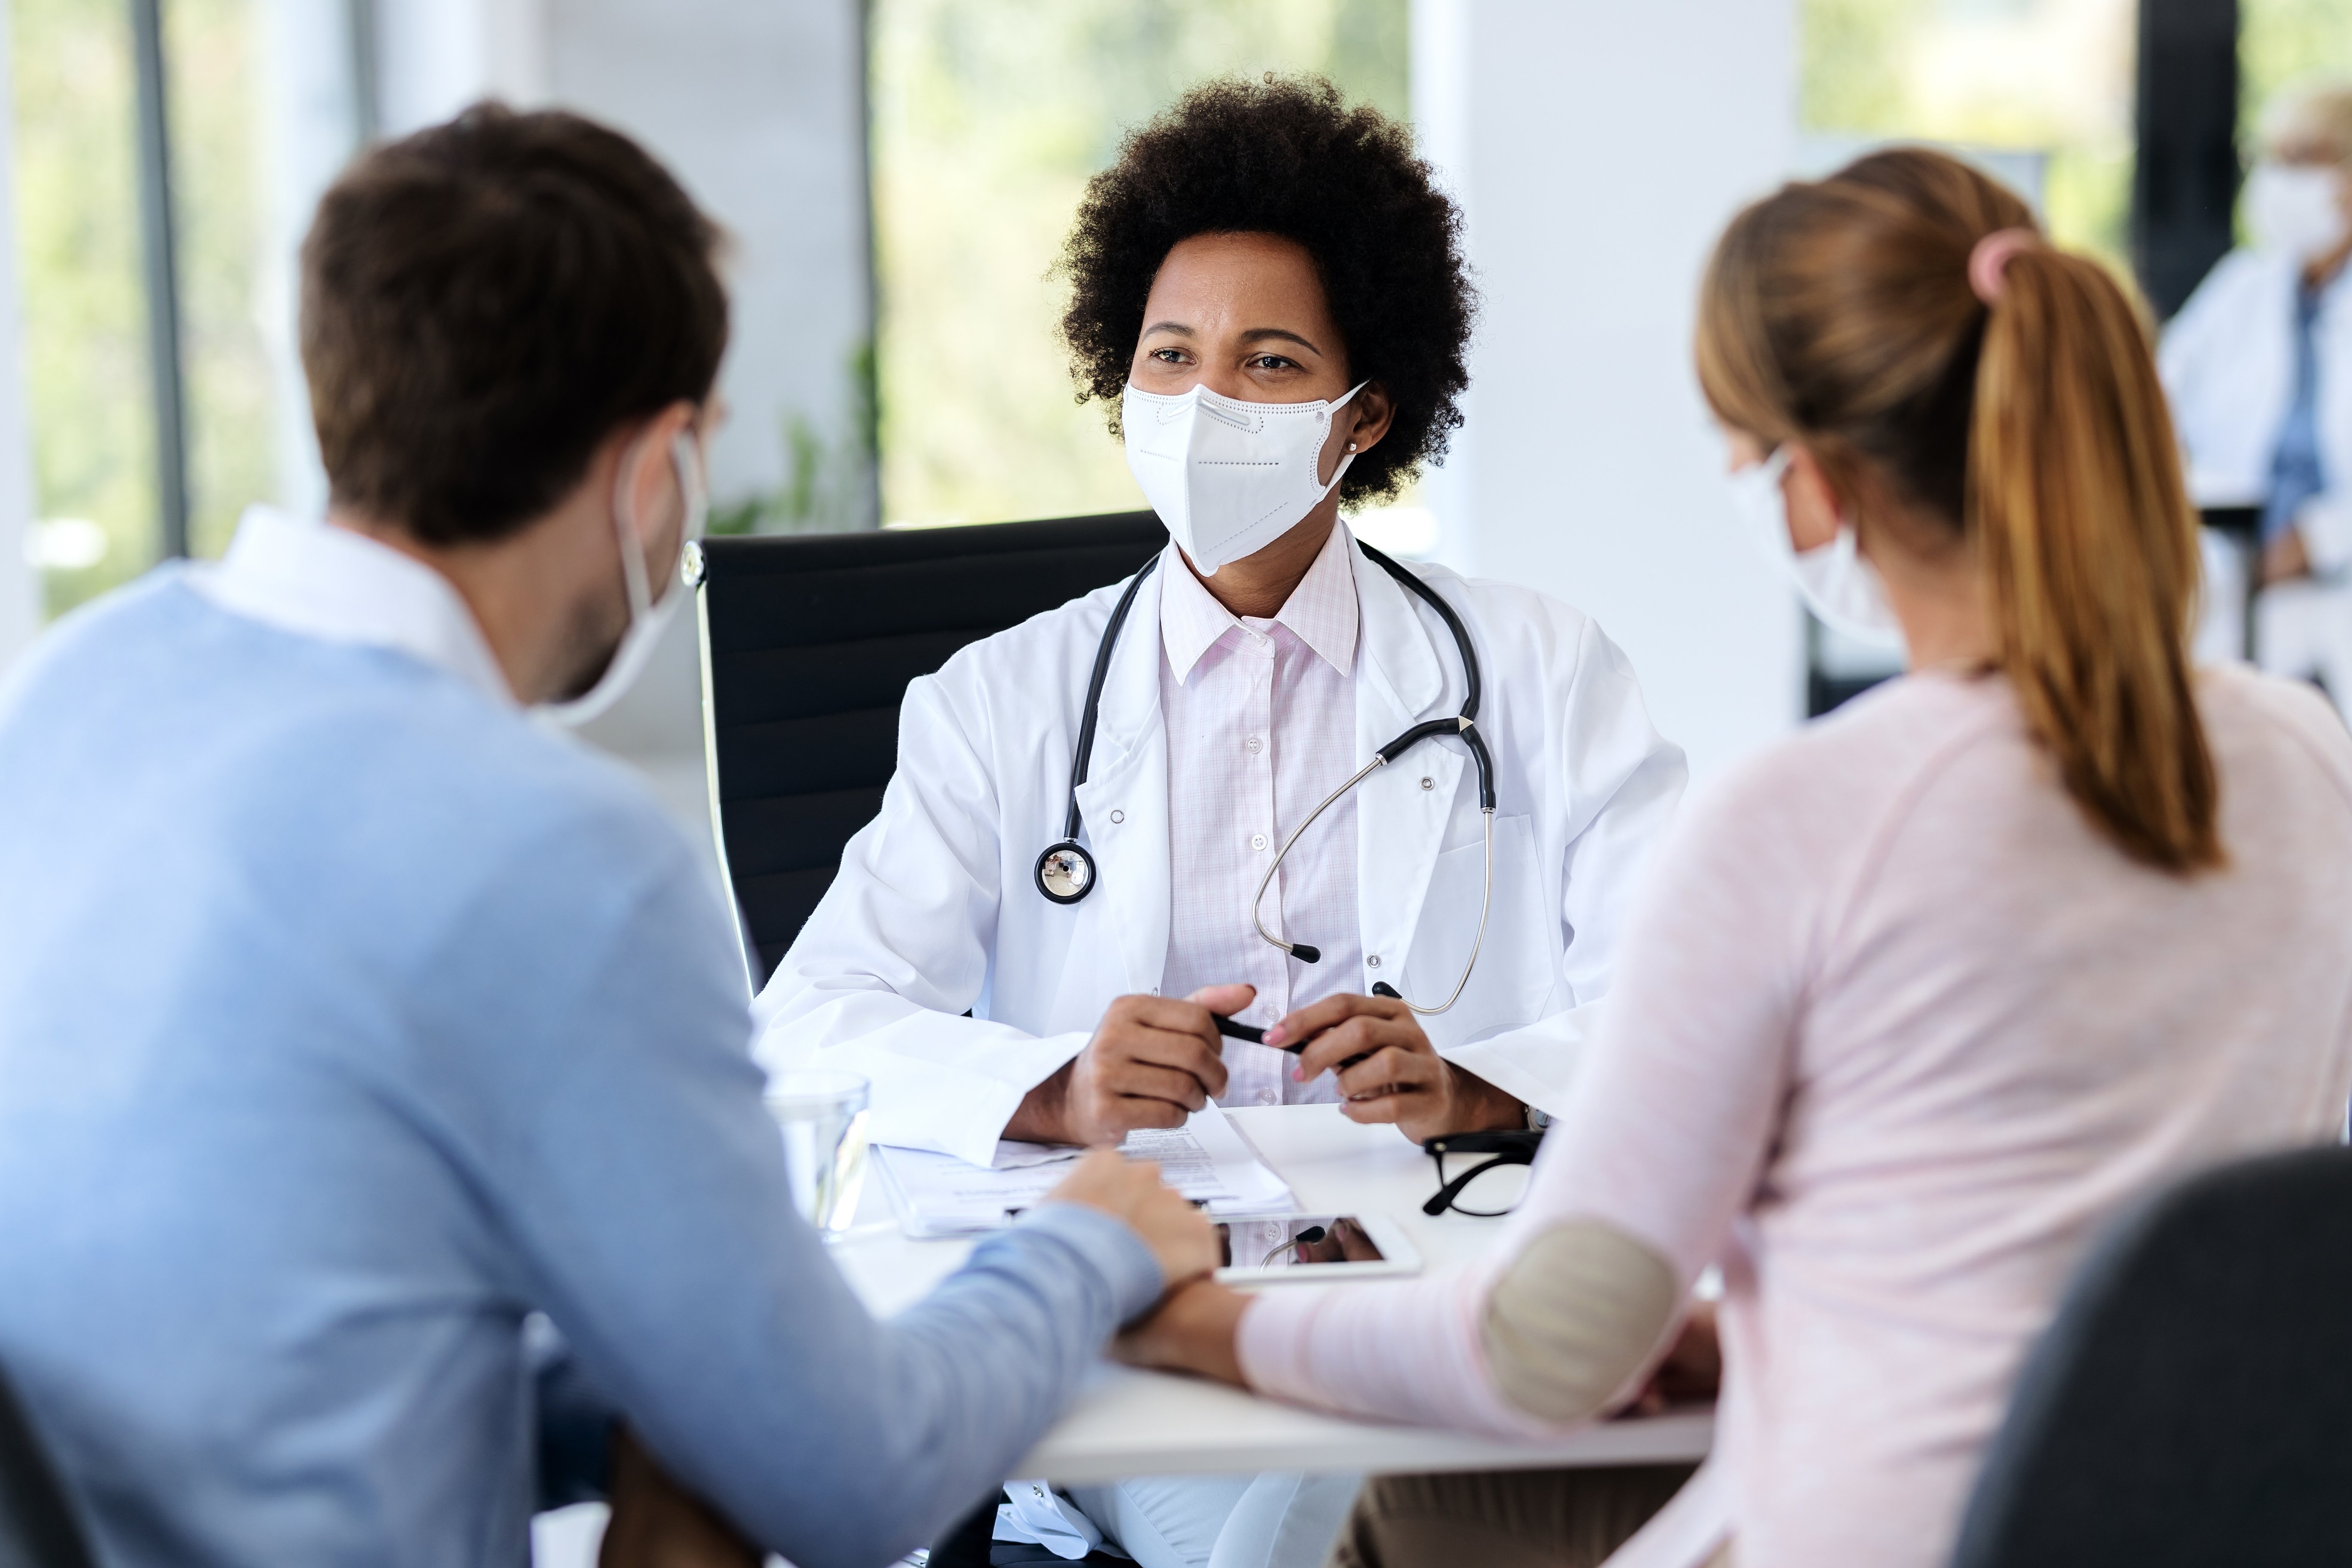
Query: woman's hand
1195,1330
1179,1235
1692,1371
1402,1079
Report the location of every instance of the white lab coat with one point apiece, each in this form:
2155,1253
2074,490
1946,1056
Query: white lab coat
935,910
2228,365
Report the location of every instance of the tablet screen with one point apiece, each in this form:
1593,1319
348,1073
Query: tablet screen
1295,1241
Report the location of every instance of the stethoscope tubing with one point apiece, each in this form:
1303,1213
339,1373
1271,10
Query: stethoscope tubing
1463,726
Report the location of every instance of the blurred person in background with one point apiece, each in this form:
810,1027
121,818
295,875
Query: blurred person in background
1917,1000
350,1016
1267,287
2258,364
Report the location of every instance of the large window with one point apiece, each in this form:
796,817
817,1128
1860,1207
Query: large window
988,116
258,105
2049,82
2283,42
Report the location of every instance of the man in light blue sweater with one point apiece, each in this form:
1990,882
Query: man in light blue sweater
349,1016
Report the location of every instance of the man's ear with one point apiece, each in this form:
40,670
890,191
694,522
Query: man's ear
646,473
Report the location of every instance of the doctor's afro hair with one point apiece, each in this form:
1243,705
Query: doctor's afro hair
1287,156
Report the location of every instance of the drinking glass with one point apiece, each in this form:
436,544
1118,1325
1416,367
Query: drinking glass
823,1117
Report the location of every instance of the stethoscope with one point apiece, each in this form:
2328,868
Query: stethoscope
1066,871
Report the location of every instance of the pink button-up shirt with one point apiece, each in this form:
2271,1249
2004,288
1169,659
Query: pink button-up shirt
1261,719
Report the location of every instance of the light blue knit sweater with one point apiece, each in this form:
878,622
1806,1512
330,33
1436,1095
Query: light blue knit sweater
345,1019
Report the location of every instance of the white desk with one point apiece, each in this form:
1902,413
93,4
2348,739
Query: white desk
1132,1423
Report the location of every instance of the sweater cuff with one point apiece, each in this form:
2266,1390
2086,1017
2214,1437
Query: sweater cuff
1112,1245
1272,1341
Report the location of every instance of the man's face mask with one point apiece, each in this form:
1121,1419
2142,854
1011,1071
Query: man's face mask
1228,478
647,614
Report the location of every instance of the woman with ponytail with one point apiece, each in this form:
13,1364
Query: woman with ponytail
1919,998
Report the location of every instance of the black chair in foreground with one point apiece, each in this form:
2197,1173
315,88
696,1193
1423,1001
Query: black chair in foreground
36,1523
2192,1401
808,642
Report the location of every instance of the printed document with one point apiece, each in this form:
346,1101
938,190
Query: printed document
1205,1160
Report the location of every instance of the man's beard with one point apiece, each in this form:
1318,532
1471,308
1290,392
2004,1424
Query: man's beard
590,642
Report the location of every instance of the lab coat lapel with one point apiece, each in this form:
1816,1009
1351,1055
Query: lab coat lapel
1400,827
1122,937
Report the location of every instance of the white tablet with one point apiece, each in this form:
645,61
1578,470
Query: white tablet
1309,1247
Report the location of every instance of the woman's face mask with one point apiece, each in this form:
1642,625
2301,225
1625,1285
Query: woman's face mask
1838,584
1228,478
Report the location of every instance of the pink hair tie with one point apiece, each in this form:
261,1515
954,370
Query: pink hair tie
1990,256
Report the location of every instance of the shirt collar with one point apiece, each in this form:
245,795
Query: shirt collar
1321,612
317,580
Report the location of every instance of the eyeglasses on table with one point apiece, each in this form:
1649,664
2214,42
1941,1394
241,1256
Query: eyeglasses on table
1475,1155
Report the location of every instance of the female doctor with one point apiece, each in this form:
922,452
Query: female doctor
1267,295
2258,367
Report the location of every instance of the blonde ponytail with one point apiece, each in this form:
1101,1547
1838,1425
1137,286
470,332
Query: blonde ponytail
1851,314
2083,531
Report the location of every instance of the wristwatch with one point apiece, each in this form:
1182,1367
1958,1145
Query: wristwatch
1537,1121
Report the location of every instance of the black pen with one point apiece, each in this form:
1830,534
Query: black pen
1256,1036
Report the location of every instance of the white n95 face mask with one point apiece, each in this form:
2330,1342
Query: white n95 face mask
1228,478
2294,210
647,615
1838,584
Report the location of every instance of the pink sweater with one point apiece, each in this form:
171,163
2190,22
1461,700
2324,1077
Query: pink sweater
1894,1033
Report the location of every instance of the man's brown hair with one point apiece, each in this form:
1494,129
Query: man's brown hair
483,302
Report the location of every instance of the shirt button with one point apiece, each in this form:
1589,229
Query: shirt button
1253,744
1257,840
1265,1096
1121,816
1425,783
1373,961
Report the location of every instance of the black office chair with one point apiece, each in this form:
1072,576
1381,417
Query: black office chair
37,1522
808,642
2192,1401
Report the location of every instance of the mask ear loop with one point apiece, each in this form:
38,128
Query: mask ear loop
625,533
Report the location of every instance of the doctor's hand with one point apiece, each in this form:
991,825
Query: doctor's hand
2284,558
1402,1079
1153,1061
1179,1235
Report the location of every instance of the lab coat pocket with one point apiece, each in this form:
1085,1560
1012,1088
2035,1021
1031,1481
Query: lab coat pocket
1520,955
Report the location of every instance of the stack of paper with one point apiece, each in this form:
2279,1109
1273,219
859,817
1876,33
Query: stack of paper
1205,1160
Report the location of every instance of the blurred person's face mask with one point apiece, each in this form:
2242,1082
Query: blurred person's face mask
1228,478
1838,584
2294,210
647,615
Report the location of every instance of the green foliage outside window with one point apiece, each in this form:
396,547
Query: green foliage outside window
81,272
2054,77
989,116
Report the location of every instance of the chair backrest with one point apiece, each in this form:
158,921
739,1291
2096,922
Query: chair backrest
2192,1401
808,642
36,1523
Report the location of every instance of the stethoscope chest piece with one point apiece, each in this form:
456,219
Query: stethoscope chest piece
1066,872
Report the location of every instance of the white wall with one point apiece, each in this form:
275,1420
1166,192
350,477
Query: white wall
1598,147
19,586
757,107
